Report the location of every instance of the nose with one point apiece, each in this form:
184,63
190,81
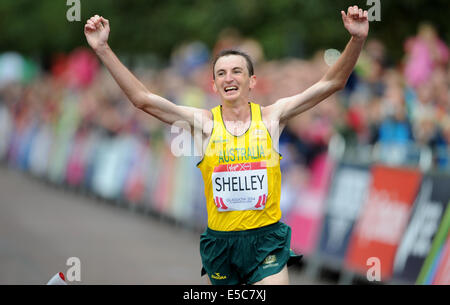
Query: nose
228,77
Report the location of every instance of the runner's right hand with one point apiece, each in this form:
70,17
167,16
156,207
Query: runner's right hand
96,30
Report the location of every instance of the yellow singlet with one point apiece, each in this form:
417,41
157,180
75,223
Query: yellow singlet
242,176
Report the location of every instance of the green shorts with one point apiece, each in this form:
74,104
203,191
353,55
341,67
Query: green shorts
246,257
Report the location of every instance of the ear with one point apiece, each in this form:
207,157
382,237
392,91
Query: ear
252,82
214,86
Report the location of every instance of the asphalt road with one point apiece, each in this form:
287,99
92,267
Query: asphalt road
41,227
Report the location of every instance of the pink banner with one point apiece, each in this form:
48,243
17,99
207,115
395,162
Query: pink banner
306,217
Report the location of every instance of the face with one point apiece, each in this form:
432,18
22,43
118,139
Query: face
232,81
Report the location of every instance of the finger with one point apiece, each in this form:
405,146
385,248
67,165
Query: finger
360,13
98,23
95,19
366,15
89,27
92,19
344,16
352,12
105,22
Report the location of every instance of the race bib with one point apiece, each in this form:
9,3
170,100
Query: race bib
240,186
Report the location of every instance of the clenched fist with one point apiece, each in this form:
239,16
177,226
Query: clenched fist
96,30
356,22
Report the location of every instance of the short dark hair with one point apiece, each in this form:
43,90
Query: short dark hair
235,52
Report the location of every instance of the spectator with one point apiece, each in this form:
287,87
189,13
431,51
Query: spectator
424,53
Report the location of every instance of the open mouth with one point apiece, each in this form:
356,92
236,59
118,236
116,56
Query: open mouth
230,88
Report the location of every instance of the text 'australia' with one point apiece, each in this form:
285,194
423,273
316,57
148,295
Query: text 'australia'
241,154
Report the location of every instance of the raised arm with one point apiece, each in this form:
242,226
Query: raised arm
357,24
97,32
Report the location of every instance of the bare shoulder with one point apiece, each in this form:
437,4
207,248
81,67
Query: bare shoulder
270,113
207,114
207,122
271,119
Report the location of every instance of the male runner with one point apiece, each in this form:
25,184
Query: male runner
244,243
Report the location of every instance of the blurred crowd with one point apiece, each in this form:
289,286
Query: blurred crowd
385,103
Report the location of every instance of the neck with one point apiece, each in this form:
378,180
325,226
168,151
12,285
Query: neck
236,111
